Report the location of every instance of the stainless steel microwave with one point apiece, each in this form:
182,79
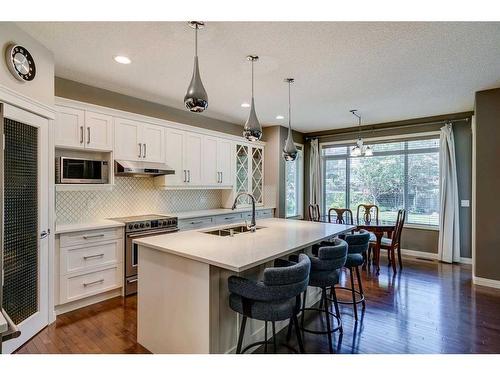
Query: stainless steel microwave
81,171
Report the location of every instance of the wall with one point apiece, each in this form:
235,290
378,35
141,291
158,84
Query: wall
41,89
77,91
421,239
487,113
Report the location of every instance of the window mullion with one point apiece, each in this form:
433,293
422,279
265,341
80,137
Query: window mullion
405,186
347,182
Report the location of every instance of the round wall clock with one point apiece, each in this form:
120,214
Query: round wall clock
20,62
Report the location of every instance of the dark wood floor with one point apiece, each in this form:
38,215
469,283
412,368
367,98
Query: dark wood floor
428,308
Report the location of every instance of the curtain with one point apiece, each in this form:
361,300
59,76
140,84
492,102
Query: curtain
315,174
449,230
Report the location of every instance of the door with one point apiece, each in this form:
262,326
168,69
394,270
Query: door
128,145
224,160
192,157
153,139
210,172
99,131
25,223
69,127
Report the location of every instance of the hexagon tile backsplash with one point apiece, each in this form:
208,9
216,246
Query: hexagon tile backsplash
131,196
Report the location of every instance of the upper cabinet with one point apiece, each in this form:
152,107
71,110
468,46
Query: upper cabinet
139,141
80,129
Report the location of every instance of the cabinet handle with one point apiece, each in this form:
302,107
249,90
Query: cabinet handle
81,134
144,150
87,257
88,135
189,175
140,149
195,222
184,171
93,283
93,236
221,177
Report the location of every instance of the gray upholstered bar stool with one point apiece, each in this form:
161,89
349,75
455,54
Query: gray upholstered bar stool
358,243
275,298
325,272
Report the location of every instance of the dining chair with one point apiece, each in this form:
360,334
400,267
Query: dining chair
393,243
342,216
314,213
370,211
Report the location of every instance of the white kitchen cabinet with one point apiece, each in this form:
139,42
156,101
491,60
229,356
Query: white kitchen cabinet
98,131
192,157
225,161
210,170
139,141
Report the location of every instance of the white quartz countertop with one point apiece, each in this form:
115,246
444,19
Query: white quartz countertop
77,227
215,212
277,238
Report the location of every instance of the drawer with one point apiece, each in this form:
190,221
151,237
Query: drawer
230,218
84,237
200,222
264,214
75,287
91,256
248,215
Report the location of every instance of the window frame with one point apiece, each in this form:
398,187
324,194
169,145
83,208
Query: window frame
395,138
300,178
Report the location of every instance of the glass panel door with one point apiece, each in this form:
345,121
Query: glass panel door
242,182
257,174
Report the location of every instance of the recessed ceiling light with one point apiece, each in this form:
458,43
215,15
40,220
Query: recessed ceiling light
279,117
245,105
122,59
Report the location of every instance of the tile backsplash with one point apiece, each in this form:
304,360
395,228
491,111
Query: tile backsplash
131,196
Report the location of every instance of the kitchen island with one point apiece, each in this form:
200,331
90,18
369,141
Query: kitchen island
182,293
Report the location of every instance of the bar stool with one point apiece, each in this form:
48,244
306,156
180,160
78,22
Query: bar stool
358,243
325,272
275,298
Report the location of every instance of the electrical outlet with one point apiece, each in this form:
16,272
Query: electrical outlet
465,203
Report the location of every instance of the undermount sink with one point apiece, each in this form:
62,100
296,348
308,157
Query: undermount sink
230,231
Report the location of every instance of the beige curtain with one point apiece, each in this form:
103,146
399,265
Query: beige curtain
315,188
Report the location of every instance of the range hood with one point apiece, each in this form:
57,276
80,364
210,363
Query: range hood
141,168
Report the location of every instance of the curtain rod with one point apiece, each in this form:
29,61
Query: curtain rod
373,129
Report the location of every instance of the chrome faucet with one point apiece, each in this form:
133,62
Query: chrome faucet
253,225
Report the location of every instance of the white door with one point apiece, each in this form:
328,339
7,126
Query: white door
224,161
69,127
209,172
153,139
192,157
99,131
128,145
26,144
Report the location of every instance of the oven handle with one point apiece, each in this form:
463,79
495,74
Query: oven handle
152,233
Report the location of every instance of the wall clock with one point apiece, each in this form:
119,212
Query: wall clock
20,62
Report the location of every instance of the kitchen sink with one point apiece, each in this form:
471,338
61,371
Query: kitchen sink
230,231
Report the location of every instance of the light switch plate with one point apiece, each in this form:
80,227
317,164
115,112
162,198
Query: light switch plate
465,203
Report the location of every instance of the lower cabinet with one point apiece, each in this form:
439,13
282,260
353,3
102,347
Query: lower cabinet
90,263
229,218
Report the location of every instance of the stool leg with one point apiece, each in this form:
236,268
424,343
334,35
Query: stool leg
337,310
327,317
360,286
265,337
289,332
303,307
297,332
242,332
353,294
274,336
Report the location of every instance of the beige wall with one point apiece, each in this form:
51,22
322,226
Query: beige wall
487,111
41,89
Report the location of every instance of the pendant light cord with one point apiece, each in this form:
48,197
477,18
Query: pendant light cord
252,78
289,107
196,41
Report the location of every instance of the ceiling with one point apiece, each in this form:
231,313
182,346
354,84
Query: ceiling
388,71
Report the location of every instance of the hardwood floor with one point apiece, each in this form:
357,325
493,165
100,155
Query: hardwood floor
429,307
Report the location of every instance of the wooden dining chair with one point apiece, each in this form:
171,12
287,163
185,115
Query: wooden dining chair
342,216
314,214
370,212
393,244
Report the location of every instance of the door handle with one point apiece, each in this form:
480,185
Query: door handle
44,233
140,149
12,332
81,134
144,150
88,135
131,281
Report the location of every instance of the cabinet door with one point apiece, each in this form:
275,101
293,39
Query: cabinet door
69,127
258,174
153,139
192,157
98,131
242,170
174,146
209,172
128,145
224,161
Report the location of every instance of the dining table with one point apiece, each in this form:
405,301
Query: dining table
377,227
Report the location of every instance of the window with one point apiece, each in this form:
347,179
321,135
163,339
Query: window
400,174
294,184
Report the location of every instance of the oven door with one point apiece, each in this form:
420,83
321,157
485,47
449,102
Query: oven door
83,171
131,256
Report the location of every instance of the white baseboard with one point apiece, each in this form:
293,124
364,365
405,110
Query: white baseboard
465,260
486,282
62,309
425,255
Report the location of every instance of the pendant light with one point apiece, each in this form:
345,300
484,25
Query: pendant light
289,151
252,130
196,99
359,149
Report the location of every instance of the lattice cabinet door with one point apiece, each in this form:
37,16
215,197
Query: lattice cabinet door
258,174
242,172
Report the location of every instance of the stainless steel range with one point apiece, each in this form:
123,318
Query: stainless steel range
138,227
